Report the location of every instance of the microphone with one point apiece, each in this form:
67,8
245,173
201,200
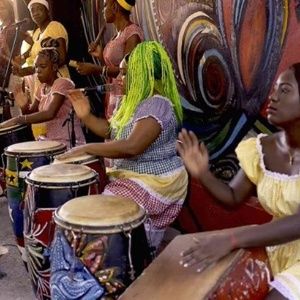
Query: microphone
102,89
19,23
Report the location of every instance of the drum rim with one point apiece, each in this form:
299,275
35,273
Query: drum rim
62,185
79,162
109,229
35,154
13,128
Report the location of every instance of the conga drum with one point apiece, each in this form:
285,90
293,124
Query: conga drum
94,162
243,274
48,187
20,159
100,246
9,136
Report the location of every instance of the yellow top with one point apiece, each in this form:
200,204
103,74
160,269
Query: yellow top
54,30
279,194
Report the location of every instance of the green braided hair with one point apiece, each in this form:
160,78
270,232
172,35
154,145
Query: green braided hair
149,72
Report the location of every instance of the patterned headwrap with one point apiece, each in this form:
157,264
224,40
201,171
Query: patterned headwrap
149,71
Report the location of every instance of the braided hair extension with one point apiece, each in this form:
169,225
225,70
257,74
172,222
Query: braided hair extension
50,50
149,71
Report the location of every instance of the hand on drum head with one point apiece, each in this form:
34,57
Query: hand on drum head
207,250
77,151
9,123
80,103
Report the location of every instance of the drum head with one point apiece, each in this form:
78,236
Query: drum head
36,147
81,159
100,214
61,175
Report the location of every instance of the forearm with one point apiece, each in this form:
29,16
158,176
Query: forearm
111,149
99,126
273,233
220,190
37,117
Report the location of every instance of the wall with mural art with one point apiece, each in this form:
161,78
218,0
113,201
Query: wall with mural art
226,55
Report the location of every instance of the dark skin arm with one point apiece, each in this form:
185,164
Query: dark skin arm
38,117
81,104
195,158
112,71
17,64
209,249
144,133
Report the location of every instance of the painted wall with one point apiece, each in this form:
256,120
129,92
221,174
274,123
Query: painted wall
226,54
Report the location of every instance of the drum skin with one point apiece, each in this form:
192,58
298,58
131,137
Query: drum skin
243,274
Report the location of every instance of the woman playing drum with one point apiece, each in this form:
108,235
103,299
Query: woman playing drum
146,167
270,167
51,104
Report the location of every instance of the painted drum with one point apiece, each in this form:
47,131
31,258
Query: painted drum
100,240
20,159
94,162
48,187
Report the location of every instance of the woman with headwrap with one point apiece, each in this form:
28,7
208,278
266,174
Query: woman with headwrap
128,36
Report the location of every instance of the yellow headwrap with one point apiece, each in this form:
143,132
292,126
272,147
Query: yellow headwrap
125,5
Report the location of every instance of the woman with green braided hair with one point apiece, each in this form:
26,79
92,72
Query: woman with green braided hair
142,130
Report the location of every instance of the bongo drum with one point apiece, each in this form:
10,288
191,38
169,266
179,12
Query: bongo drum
48,187
243,274
100,246
21,158
94,162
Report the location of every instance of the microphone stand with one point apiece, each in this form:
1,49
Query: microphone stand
4,102
71,120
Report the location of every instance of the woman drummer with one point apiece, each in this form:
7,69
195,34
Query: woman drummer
146,167
270,168
51,103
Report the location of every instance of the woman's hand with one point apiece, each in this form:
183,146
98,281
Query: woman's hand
9,123
194,156
80,103
74,152
207,250
87,68
21,98
94,50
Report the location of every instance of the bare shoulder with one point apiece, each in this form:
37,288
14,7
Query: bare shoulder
270,142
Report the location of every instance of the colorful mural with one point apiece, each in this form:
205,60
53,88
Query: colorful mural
226,55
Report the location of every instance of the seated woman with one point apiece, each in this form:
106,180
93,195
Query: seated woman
51,103
270,168
146,167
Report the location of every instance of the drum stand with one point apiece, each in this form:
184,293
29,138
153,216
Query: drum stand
4,99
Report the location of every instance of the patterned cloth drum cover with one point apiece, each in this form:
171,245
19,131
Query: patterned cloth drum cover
48,188
22,158
99,248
